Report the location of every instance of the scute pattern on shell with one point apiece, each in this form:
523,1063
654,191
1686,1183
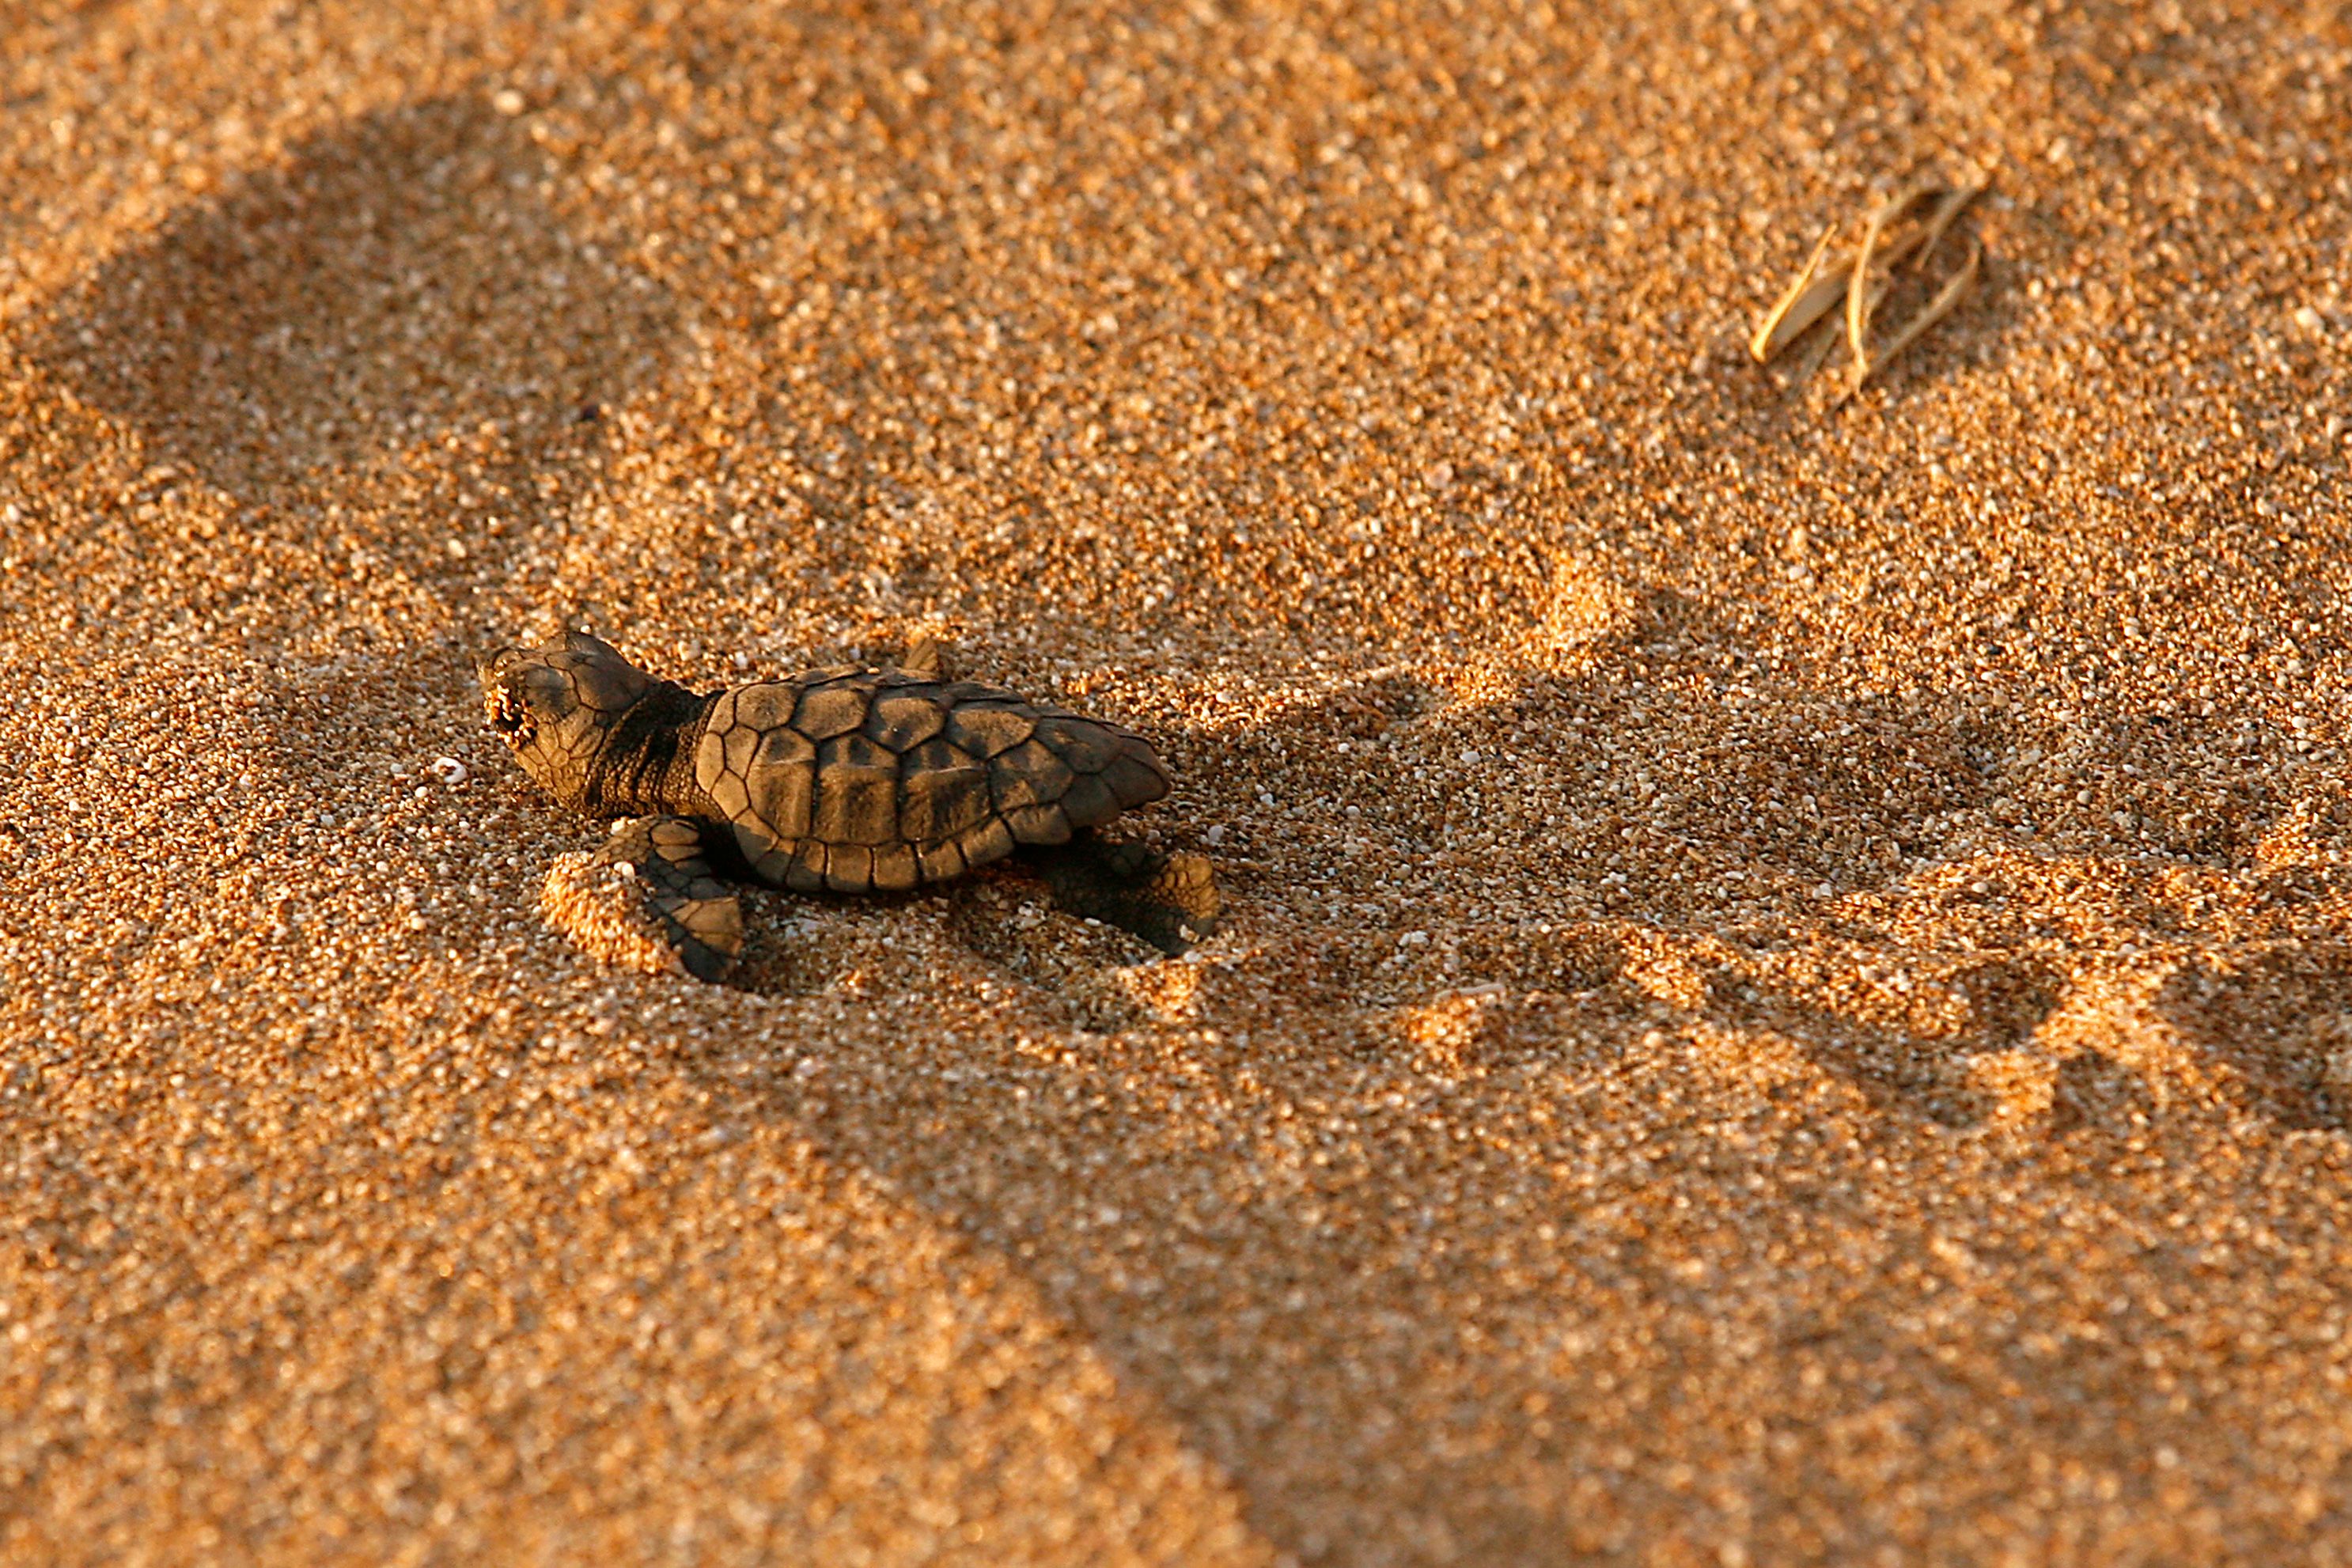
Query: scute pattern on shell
858,780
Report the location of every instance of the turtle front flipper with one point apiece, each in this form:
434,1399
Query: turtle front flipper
648,900
1169,900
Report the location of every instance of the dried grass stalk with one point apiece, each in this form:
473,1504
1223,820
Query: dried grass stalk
1935,311
1895,236
1803,303
1949,205
1860,299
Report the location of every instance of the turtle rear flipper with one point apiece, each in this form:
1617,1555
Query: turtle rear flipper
1169,900
648,900
929,658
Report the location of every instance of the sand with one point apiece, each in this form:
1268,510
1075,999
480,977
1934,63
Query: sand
1789,996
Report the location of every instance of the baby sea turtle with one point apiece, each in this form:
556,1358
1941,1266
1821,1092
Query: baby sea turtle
850,779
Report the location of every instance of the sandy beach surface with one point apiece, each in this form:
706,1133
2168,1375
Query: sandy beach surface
1788,993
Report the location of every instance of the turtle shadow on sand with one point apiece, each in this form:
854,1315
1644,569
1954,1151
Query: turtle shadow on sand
1798,798
1815,808
393,283
2279,1023
1920,1066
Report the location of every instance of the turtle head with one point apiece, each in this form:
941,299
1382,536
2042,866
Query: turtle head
560,706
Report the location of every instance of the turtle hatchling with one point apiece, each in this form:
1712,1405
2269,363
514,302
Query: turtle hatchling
851,780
